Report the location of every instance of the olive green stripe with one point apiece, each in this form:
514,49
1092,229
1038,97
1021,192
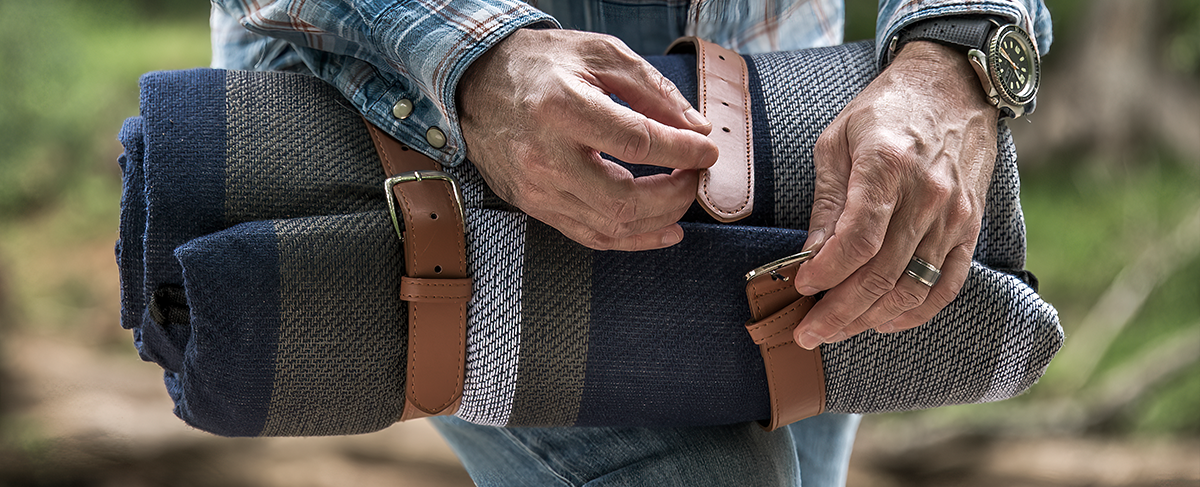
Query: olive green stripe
556,310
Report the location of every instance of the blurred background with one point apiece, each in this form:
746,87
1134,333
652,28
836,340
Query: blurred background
1111,190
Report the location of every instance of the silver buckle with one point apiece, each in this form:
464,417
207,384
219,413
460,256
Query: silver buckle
773,268
418,176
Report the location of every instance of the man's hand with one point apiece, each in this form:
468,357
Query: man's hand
536,114
902,171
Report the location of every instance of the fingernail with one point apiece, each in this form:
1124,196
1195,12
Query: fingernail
807,290
886,328
695,118
815,239
810,340
671,238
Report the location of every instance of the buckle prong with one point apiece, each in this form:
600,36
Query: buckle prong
773,268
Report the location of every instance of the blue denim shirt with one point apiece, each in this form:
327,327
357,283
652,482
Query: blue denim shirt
399,63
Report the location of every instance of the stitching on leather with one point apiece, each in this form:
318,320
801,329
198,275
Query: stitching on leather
745,90
424,283
702,100
386,157
417,401
460,237
384,154
745,112
756,299
771,386
787,312
433,297
413,311
768,293
818,365
756,294
461,365
789,342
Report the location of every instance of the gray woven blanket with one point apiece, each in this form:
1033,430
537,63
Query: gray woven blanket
259,269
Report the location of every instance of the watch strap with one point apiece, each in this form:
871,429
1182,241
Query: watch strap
961,32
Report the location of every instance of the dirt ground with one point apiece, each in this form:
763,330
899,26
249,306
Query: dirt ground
85,417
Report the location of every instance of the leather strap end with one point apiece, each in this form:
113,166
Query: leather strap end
411,411
726,189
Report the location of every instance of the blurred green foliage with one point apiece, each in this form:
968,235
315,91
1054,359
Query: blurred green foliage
68,75
1182,44
1086,223
70,68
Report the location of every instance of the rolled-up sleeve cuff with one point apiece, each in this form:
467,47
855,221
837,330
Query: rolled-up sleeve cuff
433,51
891,22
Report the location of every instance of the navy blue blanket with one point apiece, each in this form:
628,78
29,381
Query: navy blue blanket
259,269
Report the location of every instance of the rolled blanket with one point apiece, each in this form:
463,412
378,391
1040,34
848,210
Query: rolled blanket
260,270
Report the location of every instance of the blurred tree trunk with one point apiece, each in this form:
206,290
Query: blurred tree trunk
1109,90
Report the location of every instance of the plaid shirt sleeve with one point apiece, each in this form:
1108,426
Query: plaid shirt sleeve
897,14
379,53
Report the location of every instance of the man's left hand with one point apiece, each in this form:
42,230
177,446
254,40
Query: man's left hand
903,171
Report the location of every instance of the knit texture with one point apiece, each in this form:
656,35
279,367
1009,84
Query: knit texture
260,195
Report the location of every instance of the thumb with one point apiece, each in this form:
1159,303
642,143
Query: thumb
831,160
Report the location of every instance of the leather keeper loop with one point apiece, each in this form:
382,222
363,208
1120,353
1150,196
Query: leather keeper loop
435,290
778,327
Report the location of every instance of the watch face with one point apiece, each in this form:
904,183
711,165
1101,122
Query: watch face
1015,66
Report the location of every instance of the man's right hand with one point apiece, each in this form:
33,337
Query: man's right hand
536,114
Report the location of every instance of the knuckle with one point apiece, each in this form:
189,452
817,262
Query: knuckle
635,141
665,86
825,203
894,156
610,229
967,213
941,189
624,210
875,284
615,225
609,42
826,143
861,246
607,51
943,296
905,299
595,241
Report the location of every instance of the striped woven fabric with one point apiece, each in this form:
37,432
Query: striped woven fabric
259,269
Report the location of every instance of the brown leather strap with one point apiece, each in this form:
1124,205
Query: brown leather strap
437,287
723,87
795,376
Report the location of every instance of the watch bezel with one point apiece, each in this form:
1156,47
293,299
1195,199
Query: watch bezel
1030,88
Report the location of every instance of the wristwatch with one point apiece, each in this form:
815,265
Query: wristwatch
1002,53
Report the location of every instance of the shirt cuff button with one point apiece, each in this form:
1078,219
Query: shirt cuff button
435,137
402,109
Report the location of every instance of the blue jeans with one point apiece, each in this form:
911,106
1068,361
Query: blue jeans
814,453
